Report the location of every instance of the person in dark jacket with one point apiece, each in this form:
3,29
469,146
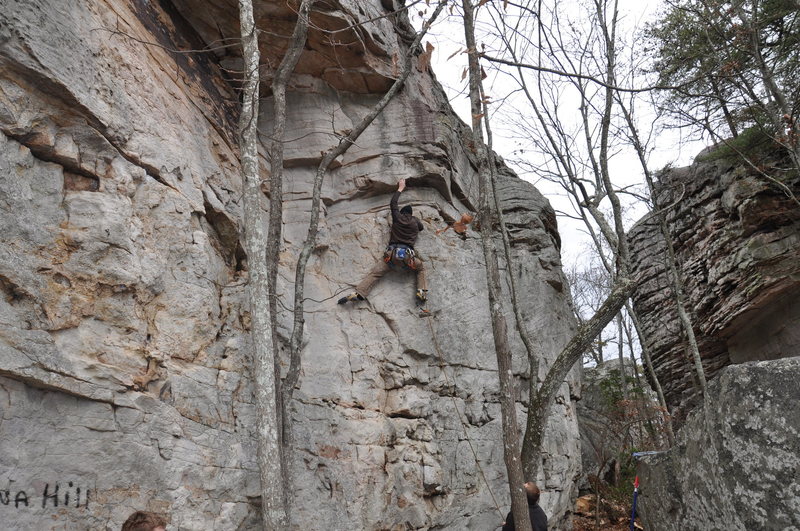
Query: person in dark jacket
538,518
399,253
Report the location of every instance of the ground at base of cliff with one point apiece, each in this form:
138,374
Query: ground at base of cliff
588,523
613,516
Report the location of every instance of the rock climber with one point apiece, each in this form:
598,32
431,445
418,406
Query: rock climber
399,253
538,517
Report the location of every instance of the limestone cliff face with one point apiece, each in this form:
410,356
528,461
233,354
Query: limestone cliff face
736,239
124,356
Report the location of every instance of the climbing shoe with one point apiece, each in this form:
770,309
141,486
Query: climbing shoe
352,297
422,296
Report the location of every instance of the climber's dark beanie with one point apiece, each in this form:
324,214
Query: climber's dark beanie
406,210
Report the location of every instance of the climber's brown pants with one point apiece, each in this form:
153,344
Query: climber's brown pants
380,269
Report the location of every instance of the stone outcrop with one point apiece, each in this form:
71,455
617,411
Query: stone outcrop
736,238
124,355
736,460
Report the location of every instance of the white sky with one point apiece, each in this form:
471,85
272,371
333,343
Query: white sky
447,37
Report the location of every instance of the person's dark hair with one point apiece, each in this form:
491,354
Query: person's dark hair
406,209
143,521
532,491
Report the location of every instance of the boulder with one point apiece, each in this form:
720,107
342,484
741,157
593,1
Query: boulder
736,459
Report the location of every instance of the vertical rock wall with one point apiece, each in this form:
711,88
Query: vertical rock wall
736,239
124,371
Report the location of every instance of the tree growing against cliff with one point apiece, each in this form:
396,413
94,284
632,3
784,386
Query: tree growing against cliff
487,214
270,465
586,66
522,464
276,142
344,143
670,260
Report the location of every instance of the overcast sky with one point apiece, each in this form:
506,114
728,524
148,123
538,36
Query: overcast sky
447,37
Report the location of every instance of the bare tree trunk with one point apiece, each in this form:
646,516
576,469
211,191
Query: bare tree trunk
671,261
680,302
644,416
621,356
276,144
269,456
598,358
615,235
534,354
344,144
621,253
540,408
648,363
487,215
274,235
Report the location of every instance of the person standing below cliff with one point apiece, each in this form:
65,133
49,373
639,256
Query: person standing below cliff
538,517
399,254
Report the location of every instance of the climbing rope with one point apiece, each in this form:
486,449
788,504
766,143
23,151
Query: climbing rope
461,418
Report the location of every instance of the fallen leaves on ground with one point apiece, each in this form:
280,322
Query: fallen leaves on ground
587,523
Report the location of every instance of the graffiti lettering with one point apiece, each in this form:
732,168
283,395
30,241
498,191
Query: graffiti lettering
55,495
21,497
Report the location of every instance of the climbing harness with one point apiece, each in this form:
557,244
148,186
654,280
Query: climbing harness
401,255
461,418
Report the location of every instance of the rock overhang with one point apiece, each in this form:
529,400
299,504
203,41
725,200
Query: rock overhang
349,43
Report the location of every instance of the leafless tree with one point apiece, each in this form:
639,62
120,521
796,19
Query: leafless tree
582,170
275,152
542,398
487,214
273,508
275,143
670,260
313,227
590,283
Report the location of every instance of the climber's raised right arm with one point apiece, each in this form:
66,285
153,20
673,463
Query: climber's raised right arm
395,198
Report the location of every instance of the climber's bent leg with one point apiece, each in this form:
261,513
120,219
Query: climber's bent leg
366,285
422,283
419,267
